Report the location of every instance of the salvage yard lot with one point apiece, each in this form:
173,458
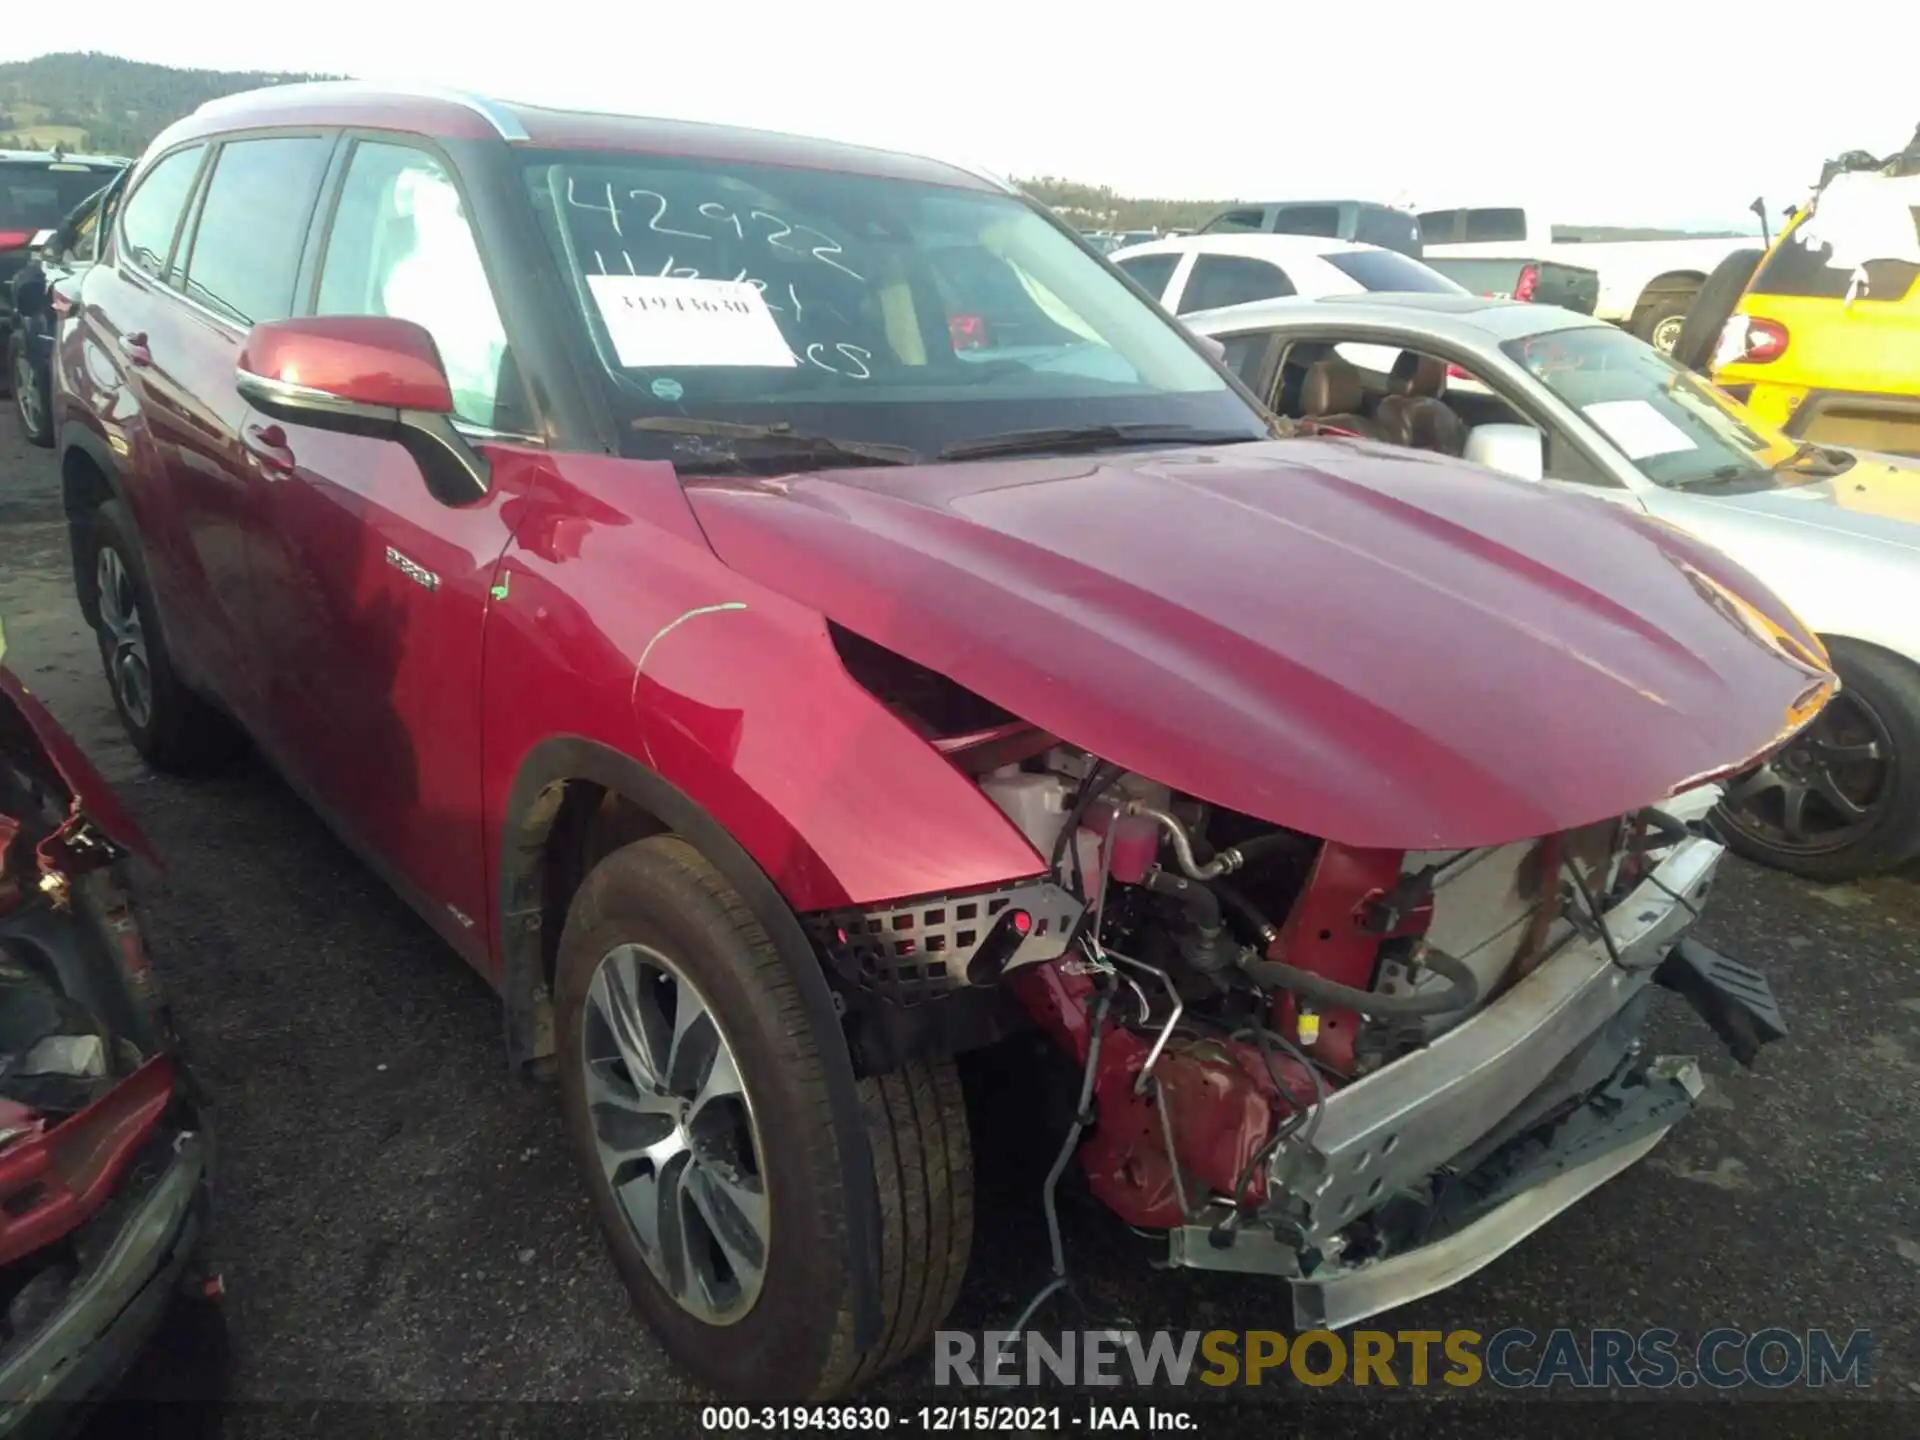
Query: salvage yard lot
397,1218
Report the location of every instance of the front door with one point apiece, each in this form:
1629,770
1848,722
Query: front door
371,595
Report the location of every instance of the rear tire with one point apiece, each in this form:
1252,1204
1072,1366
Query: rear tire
1711,308
32,404
1877,709
171,727
782,1326
1661,317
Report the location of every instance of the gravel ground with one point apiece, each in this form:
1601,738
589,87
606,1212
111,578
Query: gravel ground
397,1219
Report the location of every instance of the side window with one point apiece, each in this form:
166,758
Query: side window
1486,225
401,245
1151,271
1320,220
1389,229
151,215
1566,461
1245,355
1232,280
1439,227
246,246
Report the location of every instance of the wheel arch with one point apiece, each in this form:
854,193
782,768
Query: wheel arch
574,798
89,477
1669,282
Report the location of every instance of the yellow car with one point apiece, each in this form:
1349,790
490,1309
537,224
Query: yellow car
1820,335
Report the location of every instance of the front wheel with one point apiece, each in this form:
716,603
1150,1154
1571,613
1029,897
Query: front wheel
696,1104
1842,800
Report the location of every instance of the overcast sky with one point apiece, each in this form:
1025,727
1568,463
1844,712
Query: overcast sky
1595,111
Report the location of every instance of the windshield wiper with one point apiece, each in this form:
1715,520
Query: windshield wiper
873,452
1721,475
1081,437
1815,459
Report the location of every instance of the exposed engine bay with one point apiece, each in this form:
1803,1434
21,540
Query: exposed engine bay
1367,1071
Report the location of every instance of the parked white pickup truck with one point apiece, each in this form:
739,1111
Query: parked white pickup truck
1645,285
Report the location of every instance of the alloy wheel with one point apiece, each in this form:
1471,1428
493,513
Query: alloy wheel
675,1132
1666,334
26,395
1824,791
128,668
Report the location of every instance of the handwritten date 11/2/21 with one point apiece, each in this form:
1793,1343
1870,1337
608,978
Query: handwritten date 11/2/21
651,211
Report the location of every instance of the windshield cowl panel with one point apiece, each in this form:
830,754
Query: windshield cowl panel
1675,428
867,309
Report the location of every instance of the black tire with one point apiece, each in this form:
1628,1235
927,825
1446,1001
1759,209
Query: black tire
1714,302
1661,316
1887,688
32,401
174,730
795,1342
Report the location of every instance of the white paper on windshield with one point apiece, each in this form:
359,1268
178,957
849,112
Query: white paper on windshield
1640,431
659,321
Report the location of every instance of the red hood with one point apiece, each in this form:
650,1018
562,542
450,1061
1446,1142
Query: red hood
1372,646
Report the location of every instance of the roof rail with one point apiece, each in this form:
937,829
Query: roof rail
505,124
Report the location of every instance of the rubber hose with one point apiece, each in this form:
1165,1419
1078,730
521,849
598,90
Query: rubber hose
1232,899
1203,905
1461,995
1250,850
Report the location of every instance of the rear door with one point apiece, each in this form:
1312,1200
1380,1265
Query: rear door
371,595
137,396
234,267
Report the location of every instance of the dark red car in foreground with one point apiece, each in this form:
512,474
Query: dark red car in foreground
790,614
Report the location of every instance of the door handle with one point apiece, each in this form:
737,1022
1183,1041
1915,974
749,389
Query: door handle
134,346
267,446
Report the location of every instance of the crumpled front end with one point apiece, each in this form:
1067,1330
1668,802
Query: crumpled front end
103,1151
1420,1172
1367,1071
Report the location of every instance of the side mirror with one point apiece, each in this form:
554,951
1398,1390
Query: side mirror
368,375
1516,450
1215,347
42,239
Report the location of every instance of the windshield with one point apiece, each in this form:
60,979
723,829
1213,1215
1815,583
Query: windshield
38,197
863,308
1675,428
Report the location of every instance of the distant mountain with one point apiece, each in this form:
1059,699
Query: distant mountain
106,105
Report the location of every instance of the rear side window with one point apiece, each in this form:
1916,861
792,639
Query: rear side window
151,216
1385,270
1152,271
1232,280
1439,227
1488,225
246,248
1320,220
1234,220
1394,229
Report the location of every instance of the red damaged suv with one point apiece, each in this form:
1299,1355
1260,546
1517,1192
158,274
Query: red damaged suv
790,614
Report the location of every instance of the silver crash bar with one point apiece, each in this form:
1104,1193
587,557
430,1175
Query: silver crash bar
1399,1124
